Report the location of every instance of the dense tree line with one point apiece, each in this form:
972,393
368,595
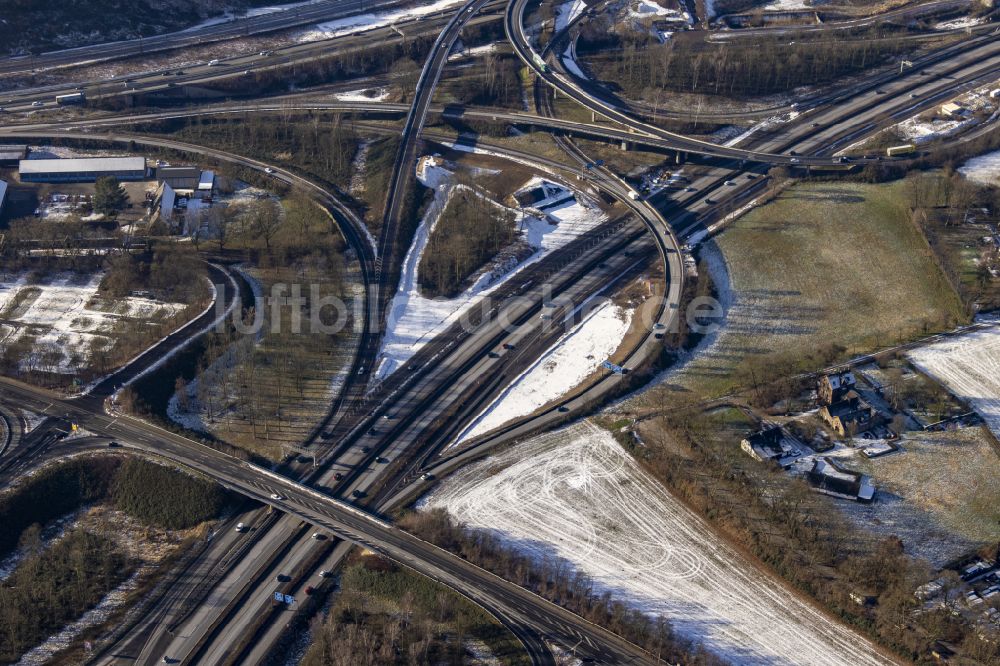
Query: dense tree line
470,232
384,615
555,580
51,493
165,496
147,491
641,67
55,585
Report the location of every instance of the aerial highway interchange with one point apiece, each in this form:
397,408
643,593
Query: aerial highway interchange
383,441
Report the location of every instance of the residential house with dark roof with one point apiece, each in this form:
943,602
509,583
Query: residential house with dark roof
829,478
850,416
764,444
835,387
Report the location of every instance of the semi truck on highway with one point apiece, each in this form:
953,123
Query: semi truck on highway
71,98
538,61
896,151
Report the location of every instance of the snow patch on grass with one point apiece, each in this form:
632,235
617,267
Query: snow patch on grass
919,130
365,22
366,95
576,495
964,22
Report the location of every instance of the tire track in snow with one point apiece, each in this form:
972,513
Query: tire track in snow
576,494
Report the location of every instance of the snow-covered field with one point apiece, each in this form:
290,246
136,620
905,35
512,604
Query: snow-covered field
969,366
983,169
575,494
365,22
577,354
415,319
60,317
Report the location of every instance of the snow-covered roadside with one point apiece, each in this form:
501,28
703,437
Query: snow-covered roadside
571,360
984,169
969,366
956,24
763,124
569,62
576,495
365,95
786,5
415,319
366,22
567,12
251,12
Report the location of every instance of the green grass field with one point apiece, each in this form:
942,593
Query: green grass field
824,266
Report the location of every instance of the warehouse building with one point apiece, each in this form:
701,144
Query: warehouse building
82,170
11,154
179,177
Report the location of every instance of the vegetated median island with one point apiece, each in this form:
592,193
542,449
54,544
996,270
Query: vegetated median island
384,614
470,232
740,68
41,25
267,384
54,582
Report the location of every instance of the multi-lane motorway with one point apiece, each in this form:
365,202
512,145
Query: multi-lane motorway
378,447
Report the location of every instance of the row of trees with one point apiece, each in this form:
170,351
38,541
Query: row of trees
642,67
558,582
149,492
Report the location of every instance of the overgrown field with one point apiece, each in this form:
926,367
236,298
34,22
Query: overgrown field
825,271
386,615
940,495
